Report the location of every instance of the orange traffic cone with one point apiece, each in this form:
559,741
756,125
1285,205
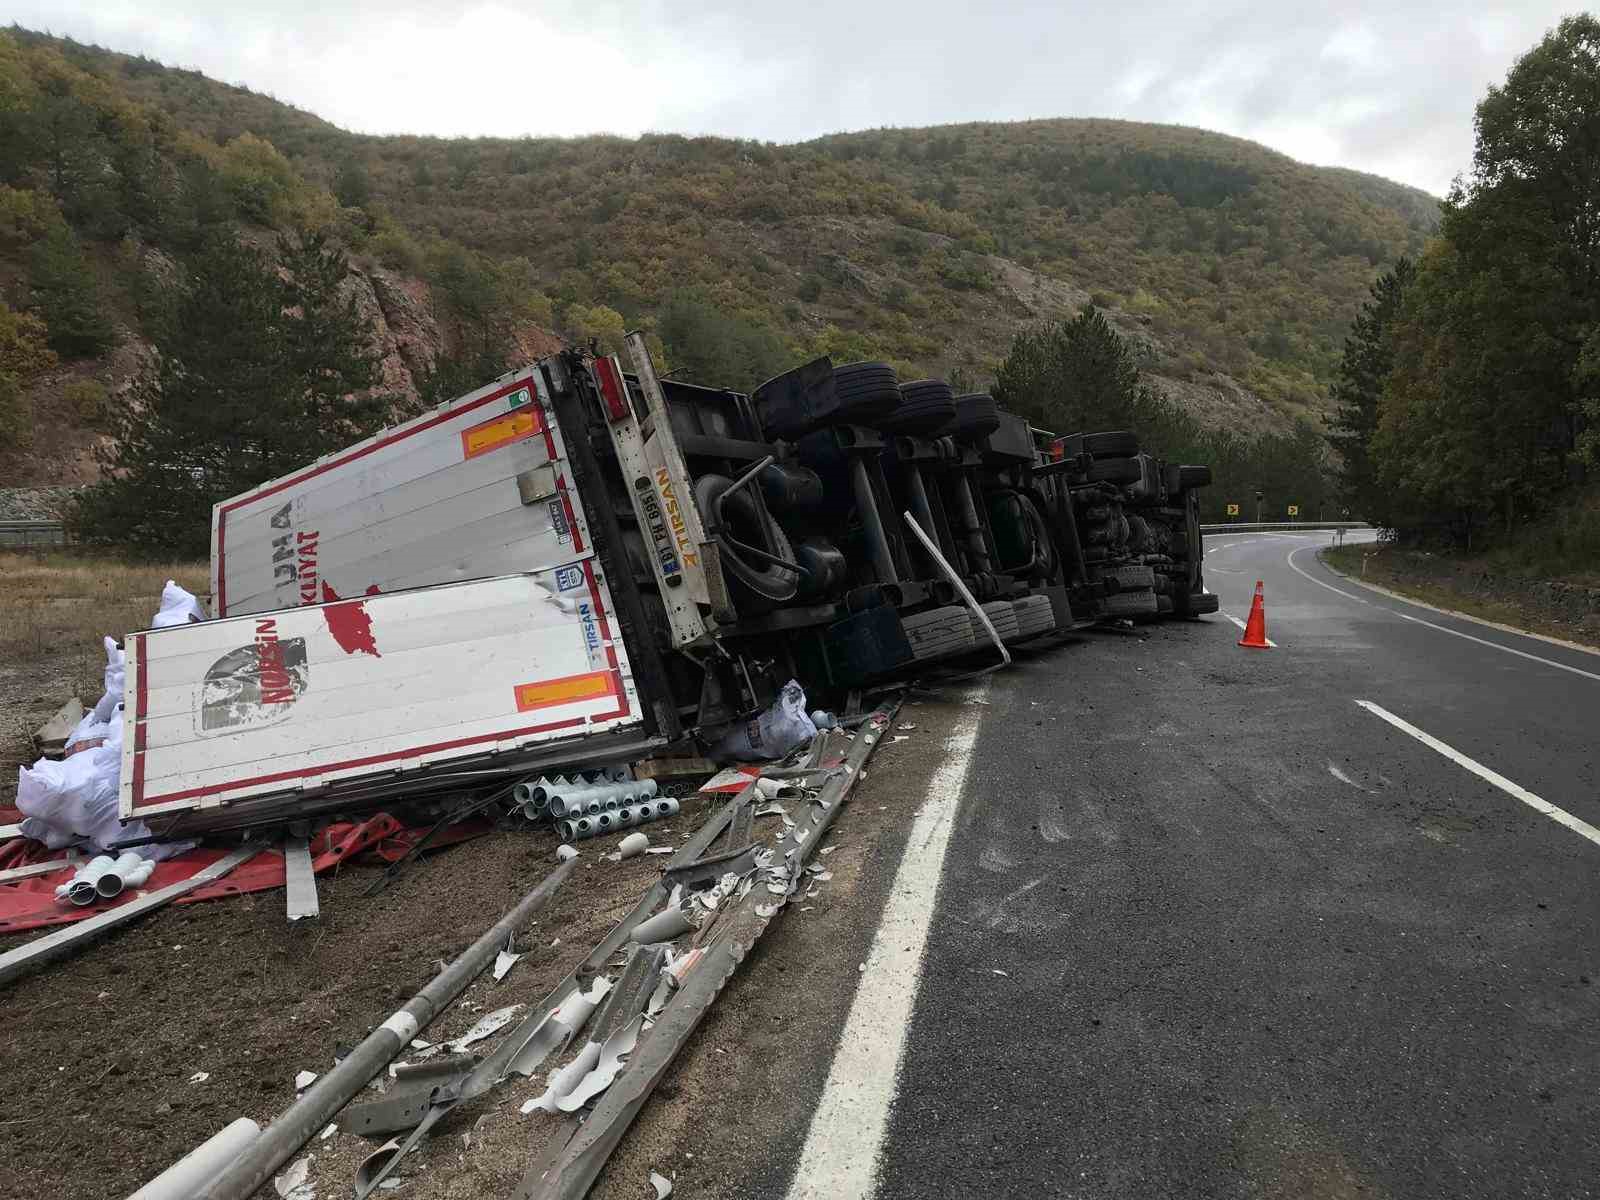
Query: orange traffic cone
1255,629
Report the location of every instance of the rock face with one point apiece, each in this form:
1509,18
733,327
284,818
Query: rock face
400,314
397,309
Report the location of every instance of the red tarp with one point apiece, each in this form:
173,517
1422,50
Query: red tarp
32,903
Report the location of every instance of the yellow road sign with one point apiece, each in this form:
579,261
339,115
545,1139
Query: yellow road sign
1294,510
1233,510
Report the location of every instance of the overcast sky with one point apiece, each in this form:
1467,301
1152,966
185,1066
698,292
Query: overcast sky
1383,87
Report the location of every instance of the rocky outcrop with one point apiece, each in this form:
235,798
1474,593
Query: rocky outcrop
399,311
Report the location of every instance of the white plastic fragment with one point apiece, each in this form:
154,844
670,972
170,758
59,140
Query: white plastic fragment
328,1132
200,1077
662,1185
998,971
766,910
633,845
660,850
503,962
291,1184
304,1080
563,1081
608,1066
565,853
486,1026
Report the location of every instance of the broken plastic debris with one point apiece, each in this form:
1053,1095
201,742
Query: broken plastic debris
772,810
328,1132
827,849
486,1026
565,853
662,1185
905,725
291,1184
304,1080
503,962
660,850
564,1080
612,1056
200,1077
765,910
556,1031
373,1163
998,971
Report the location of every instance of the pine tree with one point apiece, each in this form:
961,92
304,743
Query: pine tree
256,373
1367,362
67,296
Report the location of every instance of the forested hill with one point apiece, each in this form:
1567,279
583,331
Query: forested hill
1234,269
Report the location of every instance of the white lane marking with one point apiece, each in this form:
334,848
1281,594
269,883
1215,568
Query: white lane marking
1487,624
840,1157
1548,662
1538,804
1315,580
1242,625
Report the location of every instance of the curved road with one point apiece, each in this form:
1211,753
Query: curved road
1313,921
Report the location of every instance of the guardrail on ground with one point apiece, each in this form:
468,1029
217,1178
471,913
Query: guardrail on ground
1282,526
14,534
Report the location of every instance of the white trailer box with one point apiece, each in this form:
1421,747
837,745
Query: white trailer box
478,487
272,715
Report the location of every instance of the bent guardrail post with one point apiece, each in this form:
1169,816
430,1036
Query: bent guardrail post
300,1122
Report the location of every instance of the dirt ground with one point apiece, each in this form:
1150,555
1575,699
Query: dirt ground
54,610
97,1052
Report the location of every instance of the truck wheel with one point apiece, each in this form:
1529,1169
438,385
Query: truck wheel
977,415
1131,578
1163,605
1116,470
1129,604
867,391
926,407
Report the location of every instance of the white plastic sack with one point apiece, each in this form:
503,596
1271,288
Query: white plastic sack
116,675
773,734
178,607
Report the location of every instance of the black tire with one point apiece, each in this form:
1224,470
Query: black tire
1116,470
1117,443
926,406
1163,605
1131,578
1129,604
867,391
1193,477
977,416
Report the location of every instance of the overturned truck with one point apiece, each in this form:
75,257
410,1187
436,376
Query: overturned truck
630,560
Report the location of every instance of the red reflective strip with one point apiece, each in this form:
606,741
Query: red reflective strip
611,389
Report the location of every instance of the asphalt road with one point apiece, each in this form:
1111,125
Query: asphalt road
1206,926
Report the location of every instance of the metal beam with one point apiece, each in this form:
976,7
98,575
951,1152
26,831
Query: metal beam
302,1119
583,1152
299,879
64,941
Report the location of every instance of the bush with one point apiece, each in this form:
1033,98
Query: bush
89,400
810,289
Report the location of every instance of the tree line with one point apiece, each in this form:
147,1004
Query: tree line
1079,375
1468,395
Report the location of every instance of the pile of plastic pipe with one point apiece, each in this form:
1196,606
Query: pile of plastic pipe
103,877
587,825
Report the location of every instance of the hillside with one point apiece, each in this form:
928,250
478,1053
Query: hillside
1234,269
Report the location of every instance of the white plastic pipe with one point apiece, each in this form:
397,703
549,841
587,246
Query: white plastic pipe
184,1178
115,878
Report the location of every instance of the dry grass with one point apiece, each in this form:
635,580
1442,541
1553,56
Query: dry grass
54,610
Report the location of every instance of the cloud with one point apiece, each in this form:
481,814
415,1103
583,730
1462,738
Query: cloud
1381,87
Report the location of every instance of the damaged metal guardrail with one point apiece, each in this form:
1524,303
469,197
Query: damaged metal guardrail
575,1156
301,1120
